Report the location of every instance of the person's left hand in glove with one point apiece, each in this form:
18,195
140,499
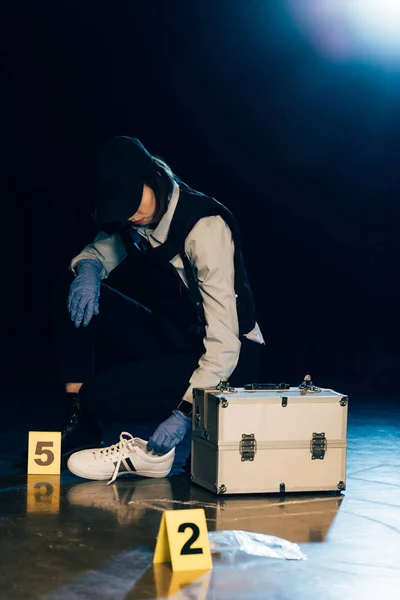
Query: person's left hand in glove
170,433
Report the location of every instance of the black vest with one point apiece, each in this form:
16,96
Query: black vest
159,285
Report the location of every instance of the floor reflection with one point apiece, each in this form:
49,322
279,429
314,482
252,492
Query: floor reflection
63,538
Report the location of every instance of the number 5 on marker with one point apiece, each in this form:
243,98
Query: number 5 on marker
44,452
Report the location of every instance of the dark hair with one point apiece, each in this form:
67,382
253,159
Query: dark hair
161,180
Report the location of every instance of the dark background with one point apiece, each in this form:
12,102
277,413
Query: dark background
303,149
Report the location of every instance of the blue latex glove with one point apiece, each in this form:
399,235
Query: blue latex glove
84,292
170,433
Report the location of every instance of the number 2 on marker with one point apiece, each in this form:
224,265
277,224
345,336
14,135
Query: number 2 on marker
187,546
178,549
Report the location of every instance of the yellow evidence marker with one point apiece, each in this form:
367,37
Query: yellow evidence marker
183,540
43,494
169,583
44,453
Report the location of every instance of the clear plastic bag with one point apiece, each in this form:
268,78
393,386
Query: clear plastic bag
231,543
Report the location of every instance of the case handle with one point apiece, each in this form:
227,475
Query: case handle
254,387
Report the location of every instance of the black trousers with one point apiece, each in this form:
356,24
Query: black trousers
133,364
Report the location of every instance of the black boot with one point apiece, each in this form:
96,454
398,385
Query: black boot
81,430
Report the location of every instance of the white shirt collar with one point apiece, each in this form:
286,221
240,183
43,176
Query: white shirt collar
160,233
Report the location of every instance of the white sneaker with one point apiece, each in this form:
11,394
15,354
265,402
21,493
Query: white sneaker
129,456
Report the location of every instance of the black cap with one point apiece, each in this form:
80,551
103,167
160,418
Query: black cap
122,166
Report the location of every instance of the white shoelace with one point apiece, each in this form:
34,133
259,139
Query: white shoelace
126,444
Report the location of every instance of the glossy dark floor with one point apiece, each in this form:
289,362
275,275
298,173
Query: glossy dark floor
84,540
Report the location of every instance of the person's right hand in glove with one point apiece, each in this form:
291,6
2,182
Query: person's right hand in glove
84,292
170,433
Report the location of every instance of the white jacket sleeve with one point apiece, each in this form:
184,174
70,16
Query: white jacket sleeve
108,249
210,249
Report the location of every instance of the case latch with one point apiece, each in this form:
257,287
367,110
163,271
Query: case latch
248,446
318,446
225,387
307,386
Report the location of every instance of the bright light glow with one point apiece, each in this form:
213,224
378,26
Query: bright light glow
377,22
351,28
